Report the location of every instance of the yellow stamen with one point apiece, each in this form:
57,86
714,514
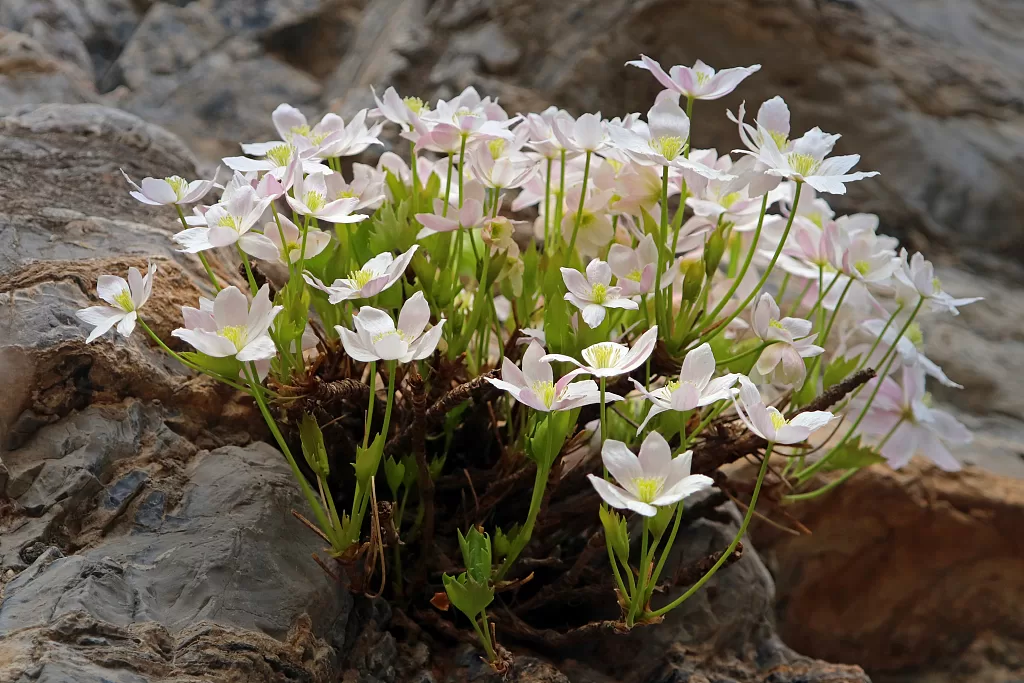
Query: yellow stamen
124,300
235,334
668,146
545,391
178,184
803,164
280,155
648,488
598,293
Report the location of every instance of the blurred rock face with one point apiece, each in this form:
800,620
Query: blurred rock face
931,94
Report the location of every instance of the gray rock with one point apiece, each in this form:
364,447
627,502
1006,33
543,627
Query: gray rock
30,74
491,45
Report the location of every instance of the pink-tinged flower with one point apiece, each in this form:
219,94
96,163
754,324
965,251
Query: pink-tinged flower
229,222
367,187
915,426
907,349
125,299
468,217
498,233
403,111
172,190
311,199
635,268
865,258
918,276
596,228
700,81
502,173
639,187
726,200
240,330
695,387
790,342
334,138
376,275
609,359
806,161
286,241
661,141
541,129
585,134
535,385
654,479
278,157
771,425
377,338
593,294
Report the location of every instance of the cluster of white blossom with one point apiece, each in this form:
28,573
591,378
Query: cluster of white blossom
618,237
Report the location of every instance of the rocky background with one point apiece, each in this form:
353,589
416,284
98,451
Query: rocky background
145,529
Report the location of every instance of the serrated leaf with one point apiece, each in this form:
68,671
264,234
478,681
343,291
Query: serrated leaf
839,369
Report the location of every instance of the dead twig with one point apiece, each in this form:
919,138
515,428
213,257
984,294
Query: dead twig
442,407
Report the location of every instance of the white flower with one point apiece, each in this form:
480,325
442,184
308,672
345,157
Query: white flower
922,429
907,349
403,111
585,134
609,359
335,139
278,158
470,216
790,342
312,198
170,190
700,81
502,173
652,480
772,118
806,161
376,275
240,330
768,423
367,187
593,294
635,268
125,299
695,387
377,338
534,385
498,233
287,242
229,222
596,228
919,276
661,141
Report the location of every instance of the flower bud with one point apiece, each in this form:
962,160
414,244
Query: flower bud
693,278
713,251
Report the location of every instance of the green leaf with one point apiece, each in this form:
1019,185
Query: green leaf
313,445
229,367
469,597
616,532
660,522
839,369
436,465
503,541
368,459
411,471
852,455
476,553
394,472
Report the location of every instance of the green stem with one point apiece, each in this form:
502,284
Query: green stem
653,582
641,585
485,640
757,349
201,255
372,381
768,271
560,204
626,595
448,186
732,546
391,398
414,201
540,483
248,269
662,237
579,211
547,206
746,264
462,163
187,363
794,497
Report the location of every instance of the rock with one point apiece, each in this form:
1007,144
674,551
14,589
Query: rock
905,571
491,45
29,75
226,563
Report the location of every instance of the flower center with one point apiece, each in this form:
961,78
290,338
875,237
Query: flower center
604,355
415,105
668,146
314,200
178,184
915,335
234,334
635,275
648,488
389,333
863,267
781,139
301,131
817,218
292,249
728,200
361,277
802,164
778,421
280,155
545,392
227,221
776,324
702,77
124,300
936,286
598,293
496,147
